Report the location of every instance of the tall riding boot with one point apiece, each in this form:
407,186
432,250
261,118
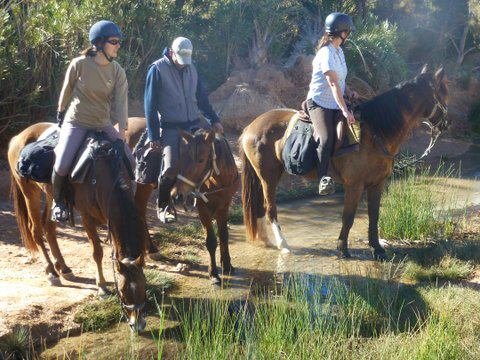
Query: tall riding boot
326,185
59,207
164,211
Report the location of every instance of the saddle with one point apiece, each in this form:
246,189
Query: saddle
36,159
299,151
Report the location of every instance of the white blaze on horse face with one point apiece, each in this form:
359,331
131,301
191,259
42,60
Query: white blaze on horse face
279,238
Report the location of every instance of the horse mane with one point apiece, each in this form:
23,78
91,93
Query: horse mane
129,229
384,114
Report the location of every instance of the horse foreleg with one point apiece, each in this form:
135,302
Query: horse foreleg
210,240
352,197
223,237
142,194
374,194
49,228
92,234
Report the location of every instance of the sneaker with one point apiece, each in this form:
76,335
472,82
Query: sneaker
326,186
166,215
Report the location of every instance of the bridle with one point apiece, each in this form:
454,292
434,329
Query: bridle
211,169
435,131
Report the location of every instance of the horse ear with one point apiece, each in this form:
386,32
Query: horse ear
140,261
440,74
186,136
121,267
210,136
424,69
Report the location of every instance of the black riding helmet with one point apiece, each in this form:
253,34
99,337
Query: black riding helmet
337,22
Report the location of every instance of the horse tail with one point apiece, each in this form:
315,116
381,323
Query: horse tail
21,213
252,197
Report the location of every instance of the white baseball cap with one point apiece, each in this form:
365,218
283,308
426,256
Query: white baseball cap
182,47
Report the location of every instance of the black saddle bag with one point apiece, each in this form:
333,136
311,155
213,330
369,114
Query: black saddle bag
37,158
299,153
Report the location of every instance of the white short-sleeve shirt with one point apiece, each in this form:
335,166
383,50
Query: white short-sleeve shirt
327,58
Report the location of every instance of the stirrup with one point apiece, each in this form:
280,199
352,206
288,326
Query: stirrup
166,215
326,186
59,212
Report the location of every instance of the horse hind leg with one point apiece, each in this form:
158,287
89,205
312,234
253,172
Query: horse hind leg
49,227
28,205
269,192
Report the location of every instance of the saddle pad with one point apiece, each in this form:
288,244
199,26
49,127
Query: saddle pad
36,159
147,161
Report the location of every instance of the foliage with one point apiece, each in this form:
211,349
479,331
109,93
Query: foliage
375,53
339,317
16,345
419,207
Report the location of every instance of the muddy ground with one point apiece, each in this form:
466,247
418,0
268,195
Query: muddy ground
311,226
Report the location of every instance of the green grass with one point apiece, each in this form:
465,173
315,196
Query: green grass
418,207
99,315
235,214
358,318
16,345
449,268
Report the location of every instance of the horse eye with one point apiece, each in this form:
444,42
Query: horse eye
201,161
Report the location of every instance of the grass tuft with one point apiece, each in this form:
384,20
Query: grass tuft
98,315
16,344
449,268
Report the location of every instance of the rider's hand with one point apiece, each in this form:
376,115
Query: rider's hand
349,116
218,128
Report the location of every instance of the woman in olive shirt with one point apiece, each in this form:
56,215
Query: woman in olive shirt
94,96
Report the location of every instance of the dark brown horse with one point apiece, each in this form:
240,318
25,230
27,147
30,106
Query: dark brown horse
387,121
208,170
105,197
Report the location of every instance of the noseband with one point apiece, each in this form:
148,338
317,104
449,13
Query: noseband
196,186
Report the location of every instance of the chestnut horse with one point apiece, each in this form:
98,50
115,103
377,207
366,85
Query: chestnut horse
105,197
387,120
208,171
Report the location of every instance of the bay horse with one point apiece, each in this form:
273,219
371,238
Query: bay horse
208,170
387,120
106,197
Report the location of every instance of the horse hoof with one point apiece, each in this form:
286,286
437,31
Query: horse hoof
228,270
54,280
345,254
285,250
103,292
380,255
215,280
153,249
68,275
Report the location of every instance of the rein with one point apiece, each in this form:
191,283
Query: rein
435,132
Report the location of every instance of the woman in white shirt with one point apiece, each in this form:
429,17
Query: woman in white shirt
325,100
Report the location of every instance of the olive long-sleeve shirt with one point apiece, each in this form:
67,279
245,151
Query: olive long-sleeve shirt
95,95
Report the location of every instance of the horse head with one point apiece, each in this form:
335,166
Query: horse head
435,98
131,285
197,161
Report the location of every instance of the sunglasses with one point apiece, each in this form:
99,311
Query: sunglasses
114,42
